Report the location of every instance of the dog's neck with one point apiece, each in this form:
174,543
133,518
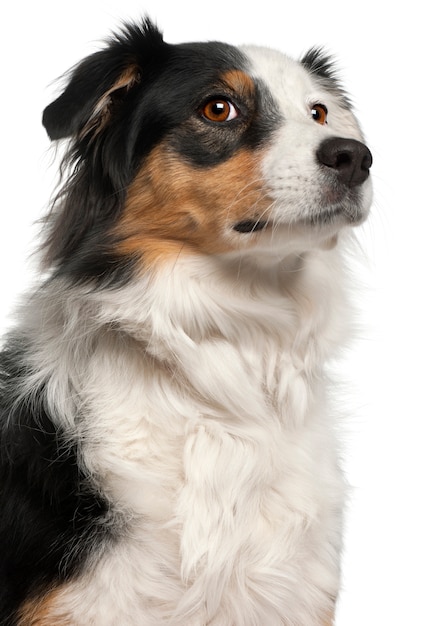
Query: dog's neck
224,331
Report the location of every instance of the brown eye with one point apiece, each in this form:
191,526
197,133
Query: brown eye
319,114
219,110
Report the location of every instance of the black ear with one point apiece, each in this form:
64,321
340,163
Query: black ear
100,80
86,103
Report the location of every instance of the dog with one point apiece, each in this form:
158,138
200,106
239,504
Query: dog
168,452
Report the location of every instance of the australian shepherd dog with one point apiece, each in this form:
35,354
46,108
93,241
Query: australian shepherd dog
167,451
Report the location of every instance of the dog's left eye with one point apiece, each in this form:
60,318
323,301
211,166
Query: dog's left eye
319,114
219,110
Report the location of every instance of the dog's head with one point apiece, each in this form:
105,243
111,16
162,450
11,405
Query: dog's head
201,148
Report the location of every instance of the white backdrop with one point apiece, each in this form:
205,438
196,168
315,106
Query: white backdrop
391,63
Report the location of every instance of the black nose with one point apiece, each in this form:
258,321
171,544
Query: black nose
351,159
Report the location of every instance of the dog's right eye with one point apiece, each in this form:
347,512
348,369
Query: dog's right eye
219,110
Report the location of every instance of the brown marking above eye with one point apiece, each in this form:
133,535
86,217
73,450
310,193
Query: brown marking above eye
319,113
219,110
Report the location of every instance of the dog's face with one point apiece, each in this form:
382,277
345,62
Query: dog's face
204,148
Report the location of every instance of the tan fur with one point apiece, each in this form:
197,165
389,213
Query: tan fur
37,612
240,83
329,621
330,618
173,206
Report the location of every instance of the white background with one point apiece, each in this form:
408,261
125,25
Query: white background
390,60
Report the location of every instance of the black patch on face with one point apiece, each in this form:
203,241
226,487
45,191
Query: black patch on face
205,143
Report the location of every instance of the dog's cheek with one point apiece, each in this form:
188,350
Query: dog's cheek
174,207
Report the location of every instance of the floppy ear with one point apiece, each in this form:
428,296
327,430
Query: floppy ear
88,100
100,82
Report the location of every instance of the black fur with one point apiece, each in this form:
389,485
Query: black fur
322,66
50,517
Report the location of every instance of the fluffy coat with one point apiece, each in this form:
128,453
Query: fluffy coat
168,453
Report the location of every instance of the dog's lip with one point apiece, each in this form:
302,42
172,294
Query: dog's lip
352,213
251,225
321,218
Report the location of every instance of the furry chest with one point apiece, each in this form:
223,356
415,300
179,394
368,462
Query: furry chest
230,514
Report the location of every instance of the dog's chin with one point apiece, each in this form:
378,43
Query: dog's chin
335,217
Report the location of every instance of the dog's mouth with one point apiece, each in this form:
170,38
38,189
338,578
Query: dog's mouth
320,218
334,215
250,226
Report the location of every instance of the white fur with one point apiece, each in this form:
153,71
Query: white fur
290,166
216,446
205,417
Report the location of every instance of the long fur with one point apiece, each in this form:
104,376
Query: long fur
168,454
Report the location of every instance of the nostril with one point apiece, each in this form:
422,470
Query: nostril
342,159
350,159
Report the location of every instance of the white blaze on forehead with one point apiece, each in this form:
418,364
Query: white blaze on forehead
288,82
294,91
